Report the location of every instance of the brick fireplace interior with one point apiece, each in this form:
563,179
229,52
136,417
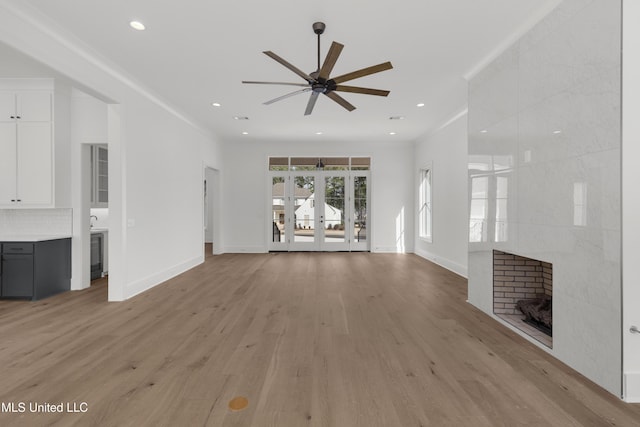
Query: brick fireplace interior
522,294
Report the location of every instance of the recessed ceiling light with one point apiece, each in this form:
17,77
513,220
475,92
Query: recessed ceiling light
245,133
484,131
420,104
318,133
557,132
396,118
240,118
392,133
215,104
137,25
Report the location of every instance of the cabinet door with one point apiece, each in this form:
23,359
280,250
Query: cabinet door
99,177
17,275
7,162
34,178
7,106
34,106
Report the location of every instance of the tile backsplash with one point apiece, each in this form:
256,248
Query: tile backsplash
100,217
36,221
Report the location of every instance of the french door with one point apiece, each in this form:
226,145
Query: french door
319,211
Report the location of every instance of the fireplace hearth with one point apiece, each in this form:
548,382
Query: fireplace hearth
523,294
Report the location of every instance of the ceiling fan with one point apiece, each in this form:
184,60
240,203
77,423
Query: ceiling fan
319,81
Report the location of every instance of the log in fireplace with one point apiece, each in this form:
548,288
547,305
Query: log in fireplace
537,312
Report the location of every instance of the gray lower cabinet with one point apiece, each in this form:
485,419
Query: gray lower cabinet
35,270
96,255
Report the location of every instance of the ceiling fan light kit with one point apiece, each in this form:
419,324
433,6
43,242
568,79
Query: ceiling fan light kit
320,82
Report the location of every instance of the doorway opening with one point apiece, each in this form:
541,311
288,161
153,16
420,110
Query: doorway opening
211,211
99,214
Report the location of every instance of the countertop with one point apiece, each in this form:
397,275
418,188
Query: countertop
31,237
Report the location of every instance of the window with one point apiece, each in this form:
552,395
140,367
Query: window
280,164
424,212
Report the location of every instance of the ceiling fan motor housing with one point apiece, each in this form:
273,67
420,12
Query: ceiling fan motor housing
318,27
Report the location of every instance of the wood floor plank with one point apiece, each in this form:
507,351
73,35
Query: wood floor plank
309,339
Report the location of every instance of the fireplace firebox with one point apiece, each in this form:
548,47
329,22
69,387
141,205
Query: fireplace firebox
523,294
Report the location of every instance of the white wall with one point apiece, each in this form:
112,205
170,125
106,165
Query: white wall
631,198
245,190
156,160
89,118
445,152
546,115
62,143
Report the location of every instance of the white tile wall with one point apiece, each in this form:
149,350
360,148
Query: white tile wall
101,219
36,222
552,102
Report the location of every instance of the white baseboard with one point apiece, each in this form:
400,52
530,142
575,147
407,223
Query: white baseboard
141,285
632,387
244,250
455,267
386,250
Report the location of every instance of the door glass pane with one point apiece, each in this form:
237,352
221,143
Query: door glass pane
277,209
335,163
278,163
360,209
333,210
303,209
305,163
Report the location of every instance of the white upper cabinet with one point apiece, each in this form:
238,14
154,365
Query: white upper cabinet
26,146
26,106
8,163
34,178
34,106
7,106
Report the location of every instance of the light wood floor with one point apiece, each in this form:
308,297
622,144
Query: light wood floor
310,339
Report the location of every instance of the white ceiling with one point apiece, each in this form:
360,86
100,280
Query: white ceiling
196,52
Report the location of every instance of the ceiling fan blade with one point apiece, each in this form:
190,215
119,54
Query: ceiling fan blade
330,60
312,103
340,100
275,83
288,65
363,90
307,89
363,72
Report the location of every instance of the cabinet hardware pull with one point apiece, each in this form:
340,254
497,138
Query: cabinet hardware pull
18,117
13,117
634,330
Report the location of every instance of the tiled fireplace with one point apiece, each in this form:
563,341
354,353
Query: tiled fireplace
522,294
550,105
